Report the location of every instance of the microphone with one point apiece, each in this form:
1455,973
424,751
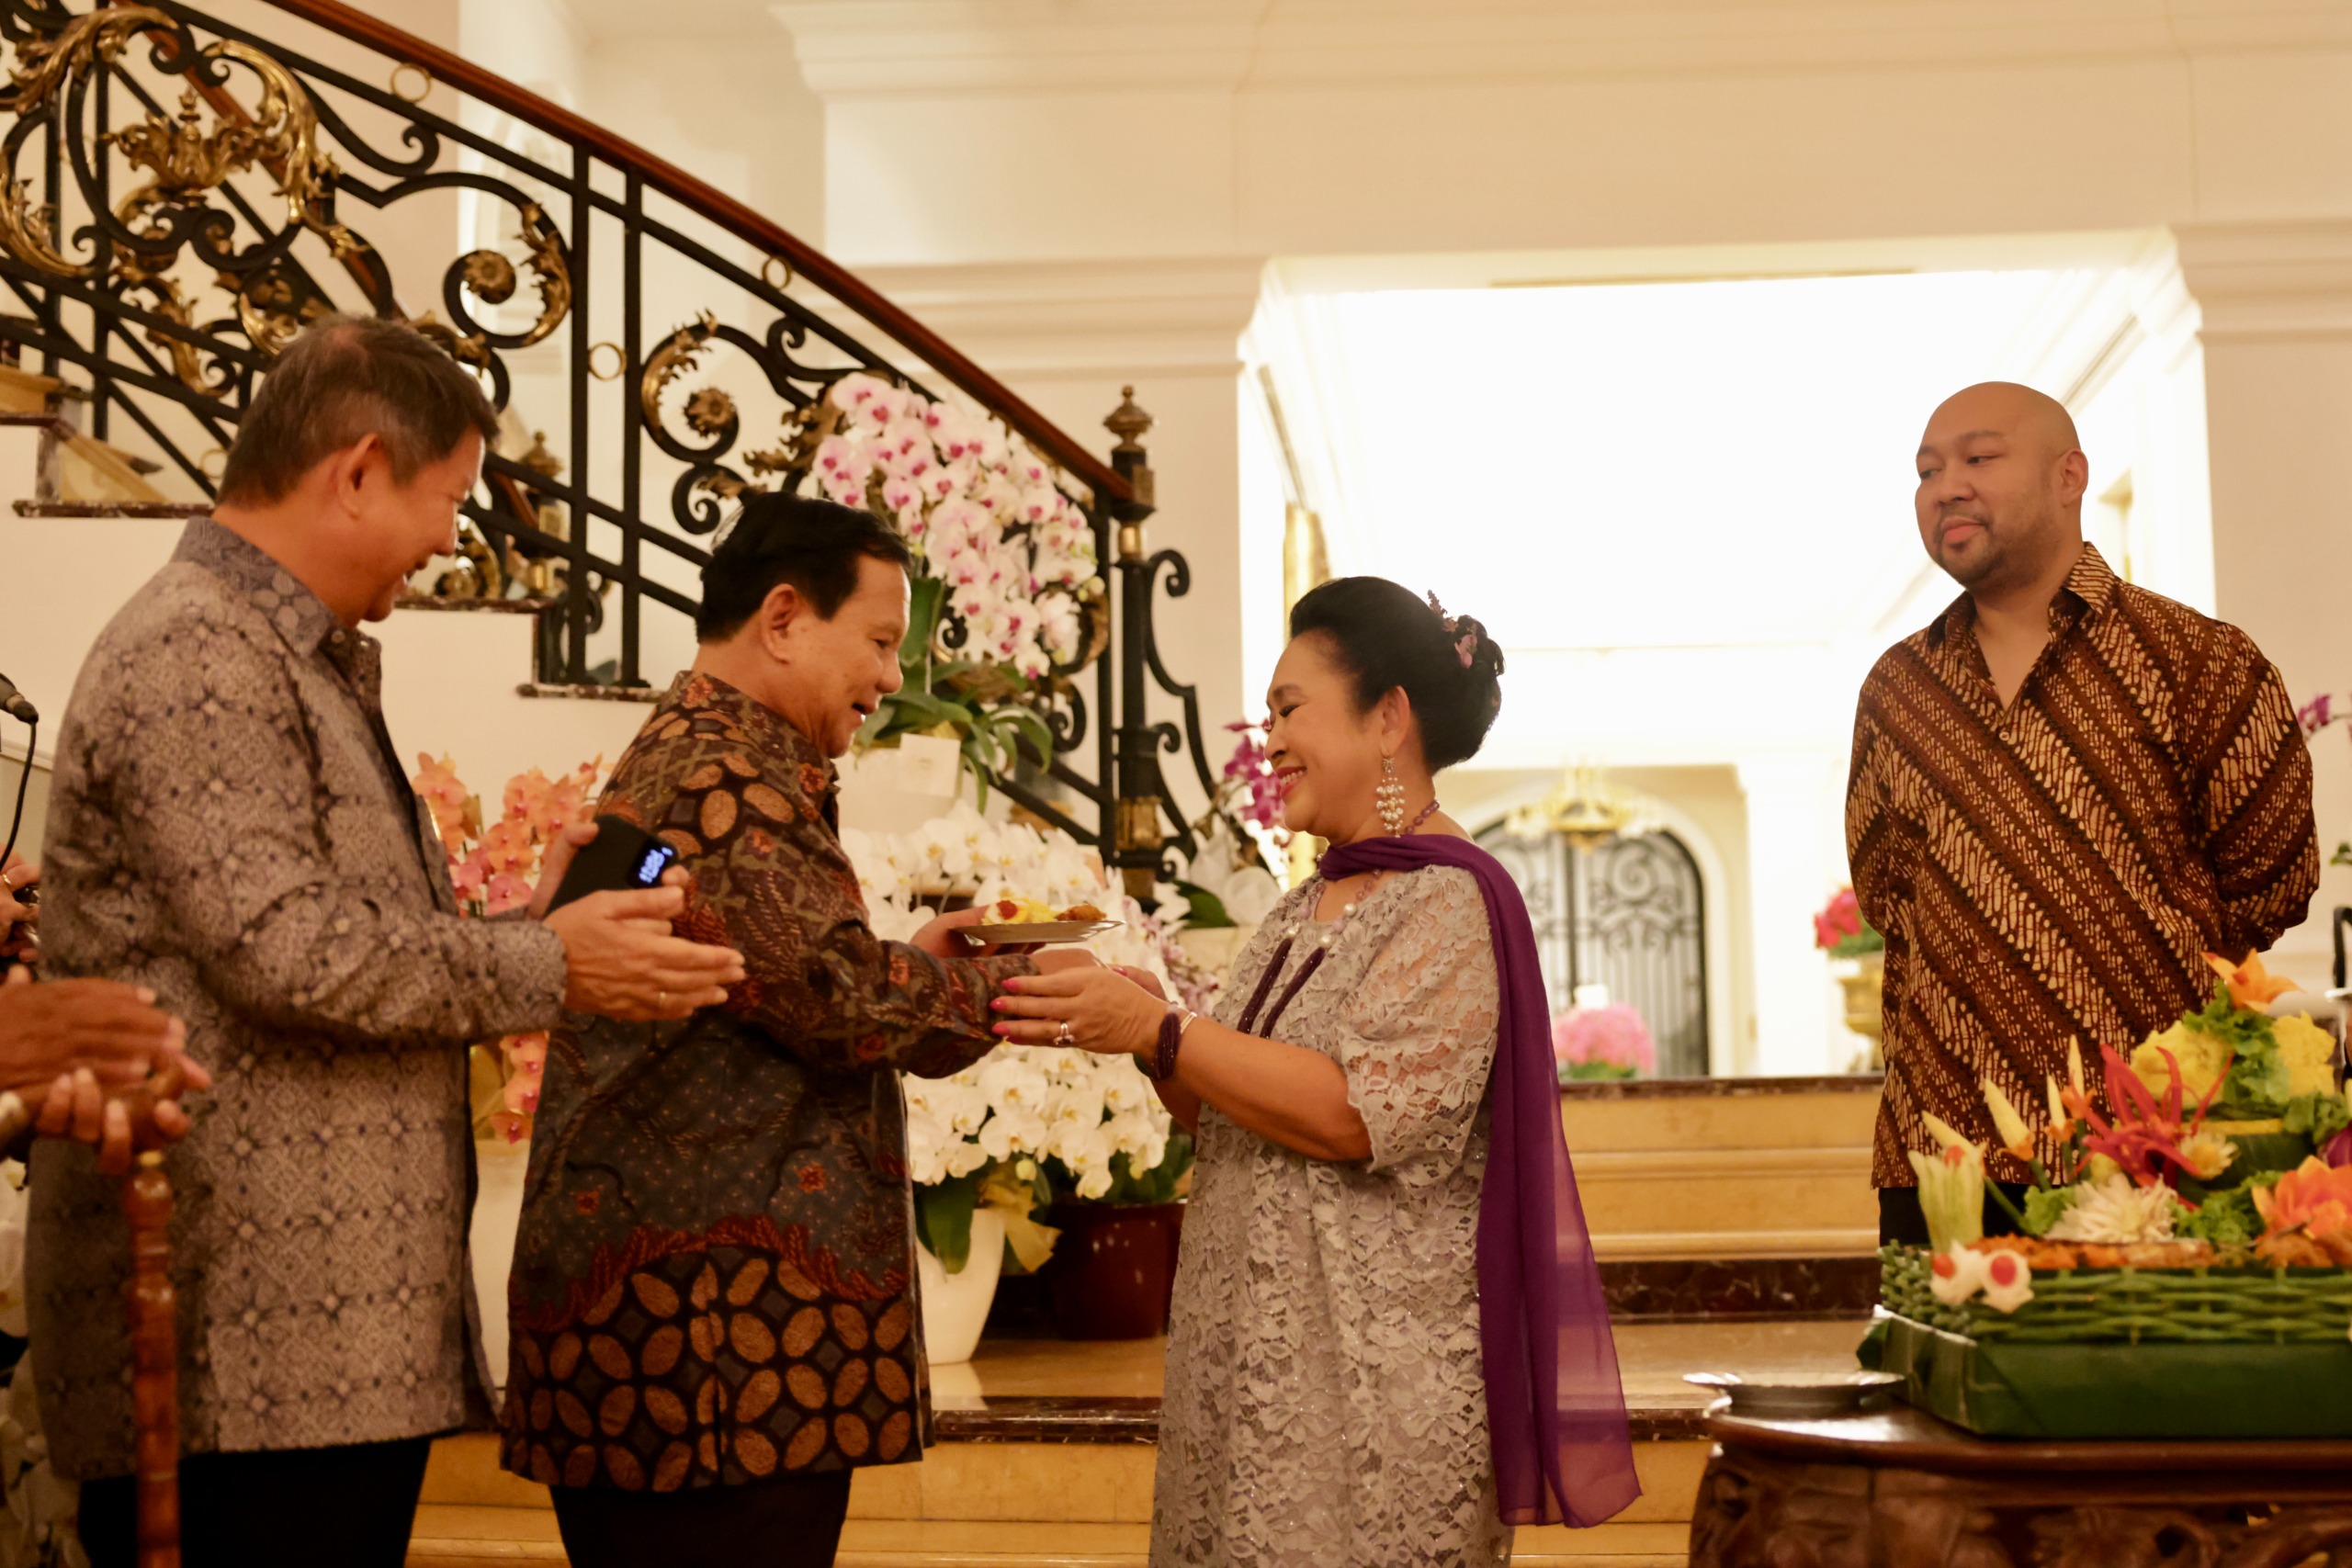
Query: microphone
12,700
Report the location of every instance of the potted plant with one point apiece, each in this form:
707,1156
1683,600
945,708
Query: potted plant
1602,1043
1007,600
1841,932
1007,1147
1114,1269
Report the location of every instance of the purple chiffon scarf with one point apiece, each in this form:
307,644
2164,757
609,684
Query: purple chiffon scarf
1554,1405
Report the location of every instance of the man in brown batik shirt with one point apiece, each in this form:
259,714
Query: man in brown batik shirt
2064,791
713,1299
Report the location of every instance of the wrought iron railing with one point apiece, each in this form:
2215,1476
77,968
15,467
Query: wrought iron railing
183,195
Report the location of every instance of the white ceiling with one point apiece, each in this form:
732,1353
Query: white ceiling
1650,466
716,20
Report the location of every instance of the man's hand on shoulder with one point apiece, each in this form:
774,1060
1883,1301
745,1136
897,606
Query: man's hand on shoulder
621,961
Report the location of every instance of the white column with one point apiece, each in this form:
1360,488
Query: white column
1796,860
2276,305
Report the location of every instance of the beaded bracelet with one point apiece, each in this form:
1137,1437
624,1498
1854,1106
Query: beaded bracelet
1172,1025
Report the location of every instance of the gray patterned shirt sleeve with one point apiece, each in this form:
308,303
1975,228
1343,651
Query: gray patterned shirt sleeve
220,806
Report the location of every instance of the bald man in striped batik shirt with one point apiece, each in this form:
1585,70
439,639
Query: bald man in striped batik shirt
2064,791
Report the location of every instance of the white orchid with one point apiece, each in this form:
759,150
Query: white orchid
1019,1102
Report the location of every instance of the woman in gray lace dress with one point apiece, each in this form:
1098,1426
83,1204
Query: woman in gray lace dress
1327,1401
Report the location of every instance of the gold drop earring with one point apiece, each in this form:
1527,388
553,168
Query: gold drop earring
1391,796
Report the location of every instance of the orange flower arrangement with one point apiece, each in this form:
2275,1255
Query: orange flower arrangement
494,868
2251,986
2307,1216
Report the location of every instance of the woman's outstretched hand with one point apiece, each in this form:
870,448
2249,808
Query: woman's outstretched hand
1105,1011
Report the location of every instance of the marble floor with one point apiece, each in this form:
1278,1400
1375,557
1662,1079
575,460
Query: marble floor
1047,1458
1652,1358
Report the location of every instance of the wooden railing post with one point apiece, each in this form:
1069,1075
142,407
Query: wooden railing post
155,1362
1137,833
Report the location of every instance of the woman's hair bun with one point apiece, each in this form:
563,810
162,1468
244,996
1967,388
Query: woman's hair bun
1385,638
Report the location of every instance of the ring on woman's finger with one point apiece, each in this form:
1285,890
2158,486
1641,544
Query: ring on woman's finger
1064,1035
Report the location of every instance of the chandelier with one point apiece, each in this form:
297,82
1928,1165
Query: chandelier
1585,810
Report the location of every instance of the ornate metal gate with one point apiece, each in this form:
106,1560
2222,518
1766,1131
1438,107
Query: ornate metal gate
1631,916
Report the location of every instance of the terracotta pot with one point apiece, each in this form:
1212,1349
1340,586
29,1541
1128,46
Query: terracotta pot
1113,1268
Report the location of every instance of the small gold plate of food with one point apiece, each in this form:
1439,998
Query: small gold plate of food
1031,923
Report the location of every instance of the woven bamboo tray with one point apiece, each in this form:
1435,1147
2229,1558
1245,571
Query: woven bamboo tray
2132,1307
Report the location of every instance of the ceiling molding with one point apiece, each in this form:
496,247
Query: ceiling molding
2271,280
1159,317
855,48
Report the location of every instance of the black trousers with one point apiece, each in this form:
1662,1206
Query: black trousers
291,1508
1900,1218
791,1523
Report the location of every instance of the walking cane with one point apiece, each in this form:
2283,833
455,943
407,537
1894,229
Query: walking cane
154,1362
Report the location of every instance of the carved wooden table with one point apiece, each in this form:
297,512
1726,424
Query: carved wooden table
1900,1489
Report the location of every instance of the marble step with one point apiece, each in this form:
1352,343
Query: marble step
1725,1168
996,1505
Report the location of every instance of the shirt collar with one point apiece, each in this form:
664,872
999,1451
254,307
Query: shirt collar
2088,594
293,611
695,689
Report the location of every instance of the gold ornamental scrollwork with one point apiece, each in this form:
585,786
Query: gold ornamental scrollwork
710,411
492,277
184,158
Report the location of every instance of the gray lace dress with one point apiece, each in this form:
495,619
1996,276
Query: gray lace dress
1325,1405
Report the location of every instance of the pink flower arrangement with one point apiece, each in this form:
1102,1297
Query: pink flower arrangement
494,869
1602,1043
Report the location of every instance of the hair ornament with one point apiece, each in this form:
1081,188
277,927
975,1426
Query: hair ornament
1465,644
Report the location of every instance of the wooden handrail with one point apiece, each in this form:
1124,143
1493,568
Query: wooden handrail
729,214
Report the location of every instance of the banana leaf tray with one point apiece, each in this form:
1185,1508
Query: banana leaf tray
2009,1389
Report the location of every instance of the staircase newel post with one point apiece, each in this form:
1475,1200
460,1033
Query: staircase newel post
1137,836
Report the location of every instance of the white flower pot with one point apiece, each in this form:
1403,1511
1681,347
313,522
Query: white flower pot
498,1210
955,1306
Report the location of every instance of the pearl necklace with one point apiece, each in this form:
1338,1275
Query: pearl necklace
1250,1023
